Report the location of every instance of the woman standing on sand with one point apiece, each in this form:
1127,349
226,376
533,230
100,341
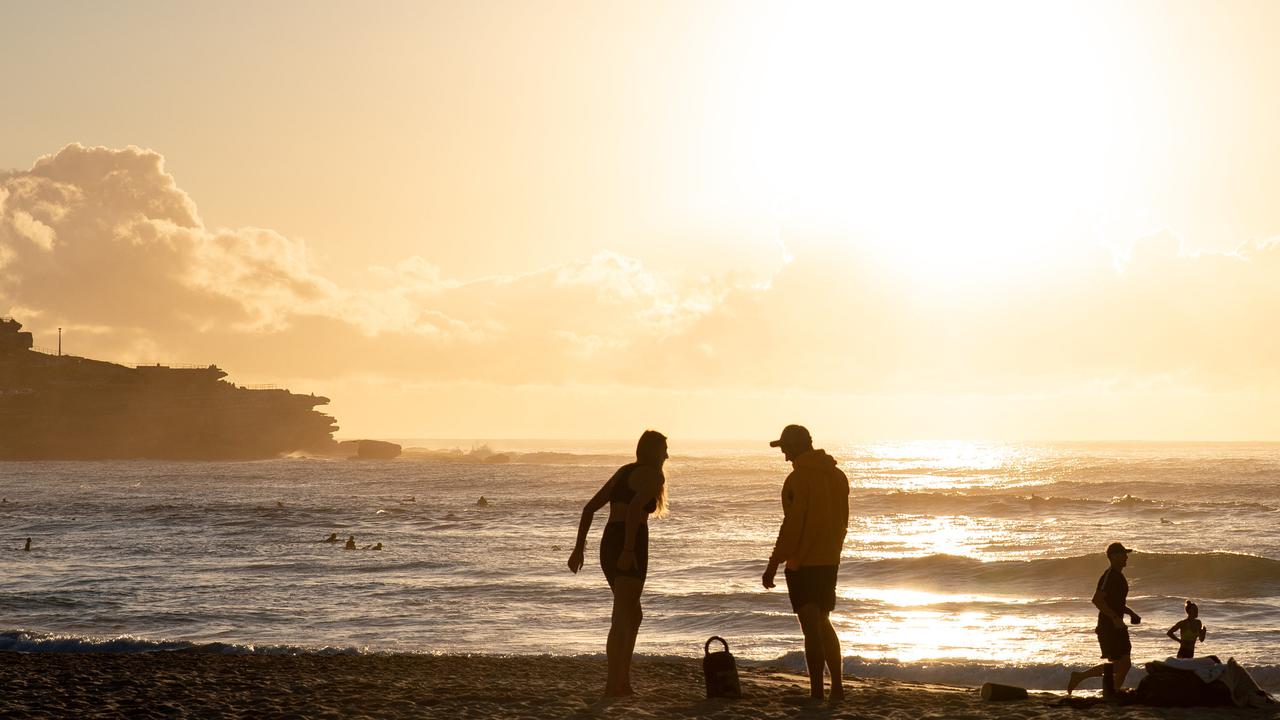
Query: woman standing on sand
635,491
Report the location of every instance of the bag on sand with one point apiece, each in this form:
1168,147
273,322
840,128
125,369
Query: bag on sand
720,670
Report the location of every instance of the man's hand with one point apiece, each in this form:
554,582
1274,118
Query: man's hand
1134,618
769,572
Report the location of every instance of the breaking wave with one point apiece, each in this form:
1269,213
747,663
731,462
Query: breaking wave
1216,574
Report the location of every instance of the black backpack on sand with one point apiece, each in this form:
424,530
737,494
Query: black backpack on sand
720,670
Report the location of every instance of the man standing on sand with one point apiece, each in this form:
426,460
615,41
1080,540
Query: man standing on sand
815,504
1113,636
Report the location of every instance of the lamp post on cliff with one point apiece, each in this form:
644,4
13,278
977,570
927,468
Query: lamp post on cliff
59,342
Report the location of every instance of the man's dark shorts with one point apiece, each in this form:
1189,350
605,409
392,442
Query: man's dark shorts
1113,640
812,584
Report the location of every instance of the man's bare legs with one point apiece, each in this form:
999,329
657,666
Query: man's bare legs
821,647
623,629
1120,668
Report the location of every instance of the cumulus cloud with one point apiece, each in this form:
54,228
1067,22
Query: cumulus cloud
102,237
105,236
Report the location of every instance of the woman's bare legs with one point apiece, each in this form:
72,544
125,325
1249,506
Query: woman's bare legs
622,634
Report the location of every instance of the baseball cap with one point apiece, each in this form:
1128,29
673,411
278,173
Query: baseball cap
793,435
1116,547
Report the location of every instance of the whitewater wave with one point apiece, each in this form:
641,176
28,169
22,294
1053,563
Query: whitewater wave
1004,504
1034,676
34,642
1206,575
486,456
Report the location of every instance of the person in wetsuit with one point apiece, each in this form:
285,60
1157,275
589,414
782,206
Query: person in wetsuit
634,492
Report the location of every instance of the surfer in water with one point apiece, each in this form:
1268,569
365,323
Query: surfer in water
333,538
351,543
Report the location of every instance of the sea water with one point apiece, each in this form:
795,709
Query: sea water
963,563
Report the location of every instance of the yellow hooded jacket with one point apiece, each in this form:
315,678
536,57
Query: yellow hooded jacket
815,503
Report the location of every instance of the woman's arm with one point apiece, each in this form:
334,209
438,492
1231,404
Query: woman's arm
597,501
648,483
1173,629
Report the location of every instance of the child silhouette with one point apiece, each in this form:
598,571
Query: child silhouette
1191,630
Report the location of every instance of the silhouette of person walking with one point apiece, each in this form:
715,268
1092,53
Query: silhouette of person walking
634,492
1113,635
815,506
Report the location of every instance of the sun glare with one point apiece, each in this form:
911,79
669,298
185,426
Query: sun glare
969,146
911,635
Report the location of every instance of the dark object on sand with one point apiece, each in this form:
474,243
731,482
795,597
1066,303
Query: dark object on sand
998,692
1180,688
720,670
1166,686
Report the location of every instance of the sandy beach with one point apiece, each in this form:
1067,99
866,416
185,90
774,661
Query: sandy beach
206,685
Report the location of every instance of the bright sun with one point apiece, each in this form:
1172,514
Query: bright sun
952,136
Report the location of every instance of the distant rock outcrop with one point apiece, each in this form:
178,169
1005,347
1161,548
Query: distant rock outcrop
65,407
369,449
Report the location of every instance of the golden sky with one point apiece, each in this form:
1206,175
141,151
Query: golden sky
580,219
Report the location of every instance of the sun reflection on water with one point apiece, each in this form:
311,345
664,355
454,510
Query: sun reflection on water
911,635
899,536
938,465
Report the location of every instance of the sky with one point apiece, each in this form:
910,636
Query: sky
918,220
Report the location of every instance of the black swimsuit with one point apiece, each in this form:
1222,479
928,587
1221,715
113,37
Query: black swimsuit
615,533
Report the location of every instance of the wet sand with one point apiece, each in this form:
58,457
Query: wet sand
205,685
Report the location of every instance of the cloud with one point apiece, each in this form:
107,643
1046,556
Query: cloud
104,236
104,242
101,237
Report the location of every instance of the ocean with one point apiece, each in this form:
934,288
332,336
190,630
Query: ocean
964,562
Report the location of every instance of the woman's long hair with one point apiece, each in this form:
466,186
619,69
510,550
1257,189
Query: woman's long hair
652,443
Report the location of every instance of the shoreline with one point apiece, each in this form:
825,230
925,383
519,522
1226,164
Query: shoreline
201,684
